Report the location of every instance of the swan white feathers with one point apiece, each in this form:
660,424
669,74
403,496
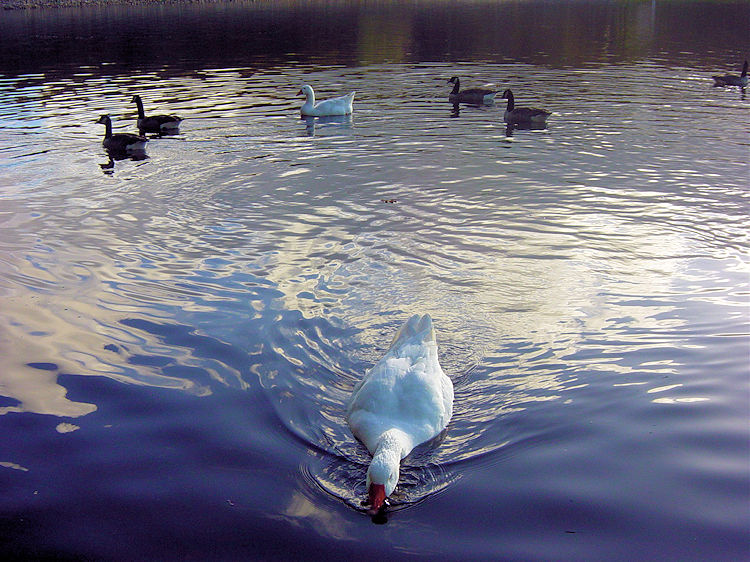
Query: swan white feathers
404,400
341,105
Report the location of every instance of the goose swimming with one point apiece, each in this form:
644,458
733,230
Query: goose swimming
403,401
120,142
732,79
341,105
476,96
515,114
155,123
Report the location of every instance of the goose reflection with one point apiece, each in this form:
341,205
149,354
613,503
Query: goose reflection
113,156
336,124
163,133
512,127
343,479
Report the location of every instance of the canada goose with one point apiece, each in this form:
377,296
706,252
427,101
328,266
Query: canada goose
731,79
155,123
515,114
120,142
475,96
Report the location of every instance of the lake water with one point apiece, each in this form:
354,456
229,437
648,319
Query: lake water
179,333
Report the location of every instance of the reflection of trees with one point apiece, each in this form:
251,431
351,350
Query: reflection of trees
260,35
384,36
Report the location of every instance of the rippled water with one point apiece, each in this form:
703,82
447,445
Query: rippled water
179,334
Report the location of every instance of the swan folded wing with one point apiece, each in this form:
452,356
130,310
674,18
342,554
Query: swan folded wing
341,105
399,393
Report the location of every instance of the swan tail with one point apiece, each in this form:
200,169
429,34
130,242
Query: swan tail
416,328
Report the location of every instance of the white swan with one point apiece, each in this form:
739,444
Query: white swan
404,400
334,106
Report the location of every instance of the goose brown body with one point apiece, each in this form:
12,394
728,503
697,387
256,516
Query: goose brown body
120,142
155,123
732,79
515,114
476,96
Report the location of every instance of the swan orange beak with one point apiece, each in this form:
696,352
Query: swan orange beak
377,497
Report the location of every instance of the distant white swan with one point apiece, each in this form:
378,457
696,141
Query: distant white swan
333,106
404,400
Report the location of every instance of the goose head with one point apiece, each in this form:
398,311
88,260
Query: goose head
104,119
453,80
307,91
382,477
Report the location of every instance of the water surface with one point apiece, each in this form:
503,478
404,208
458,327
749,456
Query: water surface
179,333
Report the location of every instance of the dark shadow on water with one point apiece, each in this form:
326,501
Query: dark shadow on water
456,108
108,167
164,133
380,518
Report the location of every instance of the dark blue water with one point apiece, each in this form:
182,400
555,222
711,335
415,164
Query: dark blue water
179,334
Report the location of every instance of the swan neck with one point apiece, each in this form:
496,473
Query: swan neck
393,445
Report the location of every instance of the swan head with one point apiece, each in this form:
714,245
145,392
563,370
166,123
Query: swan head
307,91
382,477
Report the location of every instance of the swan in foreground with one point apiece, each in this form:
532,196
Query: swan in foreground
515,114
732,79
404,400
120,142
473,95
155,123
333,106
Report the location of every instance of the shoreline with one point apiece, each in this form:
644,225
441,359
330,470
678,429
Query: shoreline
45,4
